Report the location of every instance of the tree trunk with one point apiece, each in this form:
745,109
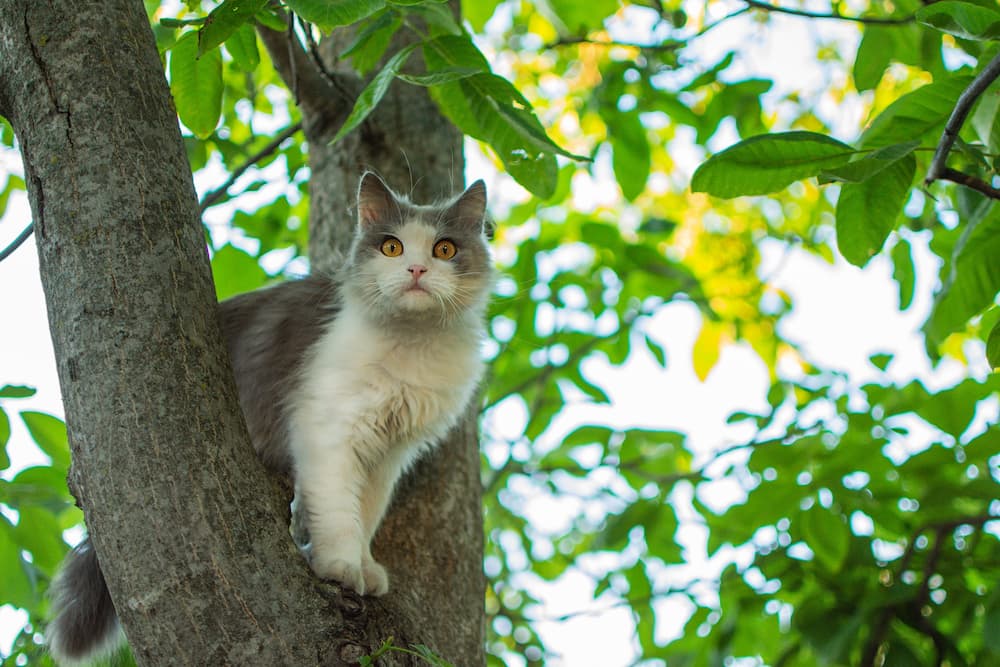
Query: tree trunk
191,531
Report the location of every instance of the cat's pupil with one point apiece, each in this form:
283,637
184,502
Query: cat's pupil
391,247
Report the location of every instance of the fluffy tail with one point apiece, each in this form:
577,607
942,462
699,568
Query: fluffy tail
85,625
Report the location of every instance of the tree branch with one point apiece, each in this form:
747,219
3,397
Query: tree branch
958,115
671,45
216,195
325,104
969,181
16,243
871,20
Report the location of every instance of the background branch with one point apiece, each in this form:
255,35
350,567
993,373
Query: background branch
216,195
958,115
325,105
16,243
873,20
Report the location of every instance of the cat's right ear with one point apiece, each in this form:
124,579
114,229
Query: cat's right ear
375,200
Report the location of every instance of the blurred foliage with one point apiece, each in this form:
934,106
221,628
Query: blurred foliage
862,522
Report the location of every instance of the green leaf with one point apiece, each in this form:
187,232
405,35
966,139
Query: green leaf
196,84
867,211
861,170
630,153
242,46
224,20
478,116
827,535
880,361
916,114
487,107
580,18
986,118
973,282
769,163
873,57
42,486
899,654
329,14
17,587
270,17
374,92
643,512
657,351
235,272
991,626
4,439
439,77
961,19
49,434
372,40
478,12
882,44
16,391
39,532
904,272
993,346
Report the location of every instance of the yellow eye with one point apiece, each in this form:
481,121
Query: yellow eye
392,247
445,249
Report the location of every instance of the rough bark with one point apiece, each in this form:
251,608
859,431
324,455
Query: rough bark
191,531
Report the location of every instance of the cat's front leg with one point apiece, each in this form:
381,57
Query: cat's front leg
375,498
329,484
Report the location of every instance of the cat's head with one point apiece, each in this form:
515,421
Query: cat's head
411,262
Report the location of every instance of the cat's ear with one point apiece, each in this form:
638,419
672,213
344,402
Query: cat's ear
469,209
375,200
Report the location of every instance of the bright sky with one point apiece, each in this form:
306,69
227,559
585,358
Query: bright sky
842,315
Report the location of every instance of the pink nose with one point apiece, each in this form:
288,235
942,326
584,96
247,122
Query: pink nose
417,270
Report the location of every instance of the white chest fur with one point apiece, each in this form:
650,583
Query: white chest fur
384,389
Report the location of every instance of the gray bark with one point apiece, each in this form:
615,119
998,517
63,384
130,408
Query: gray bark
191,531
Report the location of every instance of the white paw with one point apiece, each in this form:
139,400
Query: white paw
376,578
346,572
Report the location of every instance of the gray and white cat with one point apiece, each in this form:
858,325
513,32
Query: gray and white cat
344,382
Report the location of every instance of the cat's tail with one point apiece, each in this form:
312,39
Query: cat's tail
85,625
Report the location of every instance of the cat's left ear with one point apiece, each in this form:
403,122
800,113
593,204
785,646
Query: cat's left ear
469,210
375,200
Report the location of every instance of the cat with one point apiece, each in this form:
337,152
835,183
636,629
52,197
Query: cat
344,381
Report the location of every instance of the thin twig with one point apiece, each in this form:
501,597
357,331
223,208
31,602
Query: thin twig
215,195
572,41
672,45
873,20
958,115
313,51
969,181
16,243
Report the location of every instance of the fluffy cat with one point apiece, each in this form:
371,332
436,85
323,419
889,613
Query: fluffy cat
344,382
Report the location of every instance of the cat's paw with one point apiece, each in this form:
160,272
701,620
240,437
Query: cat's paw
376,578
346,572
